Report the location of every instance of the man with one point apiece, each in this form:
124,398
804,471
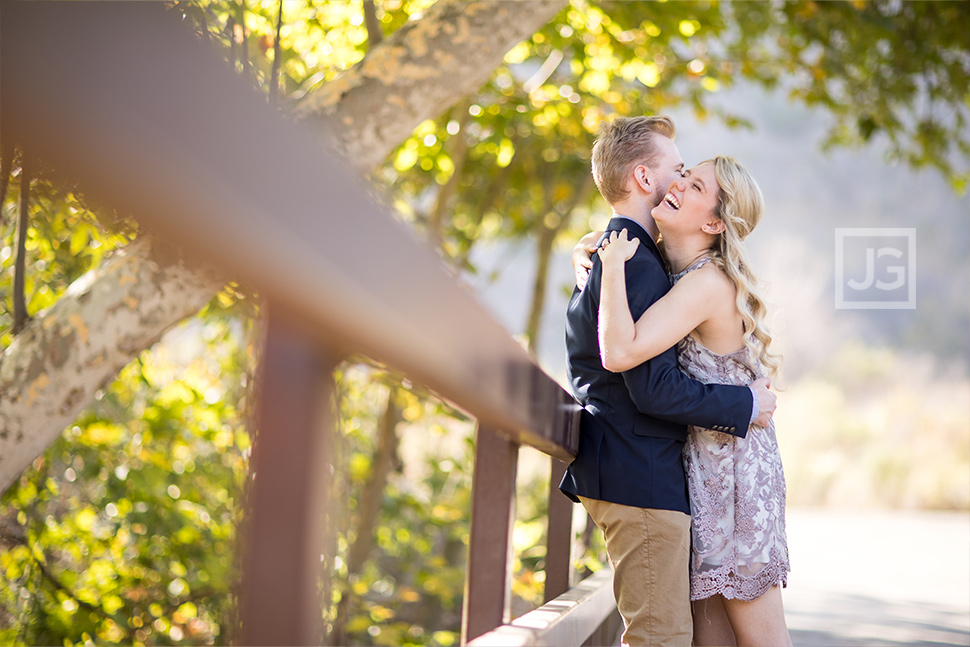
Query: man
628,472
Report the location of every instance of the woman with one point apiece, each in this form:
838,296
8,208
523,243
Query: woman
739,558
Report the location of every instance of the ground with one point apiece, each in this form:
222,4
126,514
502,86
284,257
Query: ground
878,578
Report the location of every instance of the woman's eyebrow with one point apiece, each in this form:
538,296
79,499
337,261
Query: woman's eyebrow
698,180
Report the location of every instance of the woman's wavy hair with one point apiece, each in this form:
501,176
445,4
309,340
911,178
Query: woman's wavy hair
740,206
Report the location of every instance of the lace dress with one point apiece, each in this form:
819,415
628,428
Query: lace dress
737,489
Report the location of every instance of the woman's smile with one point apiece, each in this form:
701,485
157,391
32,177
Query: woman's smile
671,201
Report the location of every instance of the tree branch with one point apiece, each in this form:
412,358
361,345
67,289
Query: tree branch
274,81
244,45
418,72
20,315
55,365
374,32
231,33
6,166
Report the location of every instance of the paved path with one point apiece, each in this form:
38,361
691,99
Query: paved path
878,578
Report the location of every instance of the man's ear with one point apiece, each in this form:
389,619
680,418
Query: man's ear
643,177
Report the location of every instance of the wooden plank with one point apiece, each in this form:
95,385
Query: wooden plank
288,497
487,587
568,620
559,536
158,127
608,633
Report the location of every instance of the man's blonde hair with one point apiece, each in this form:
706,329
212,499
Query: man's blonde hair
622,144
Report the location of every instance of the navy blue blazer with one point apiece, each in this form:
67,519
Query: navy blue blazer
634,424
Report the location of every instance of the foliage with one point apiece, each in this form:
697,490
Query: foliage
65,239
899,70
512,161
318,40
124,532
522,156
521,161
407,588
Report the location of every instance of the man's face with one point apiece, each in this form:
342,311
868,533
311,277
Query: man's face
668,167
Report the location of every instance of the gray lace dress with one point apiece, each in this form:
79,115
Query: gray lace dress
737,489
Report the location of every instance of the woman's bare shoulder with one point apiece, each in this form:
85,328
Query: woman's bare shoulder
708,281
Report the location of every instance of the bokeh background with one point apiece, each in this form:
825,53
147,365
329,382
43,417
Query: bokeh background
874,404
849,114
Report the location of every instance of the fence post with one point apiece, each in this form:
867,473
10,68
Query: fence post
287,496
486,601
559,536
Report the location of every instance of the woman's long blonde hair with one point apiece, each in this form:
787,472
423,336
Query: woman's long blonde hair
740,205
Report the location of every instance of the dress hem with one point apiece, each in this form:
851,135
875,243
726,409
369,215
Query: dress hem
777,576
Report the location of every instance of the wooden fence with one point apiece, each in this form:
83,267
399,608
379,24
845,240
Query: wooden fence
123,100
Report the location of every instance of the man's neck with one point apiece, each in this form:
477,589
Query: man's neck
644,219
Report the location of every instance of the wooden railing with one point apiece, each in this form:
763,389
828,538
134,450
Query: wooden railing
127,103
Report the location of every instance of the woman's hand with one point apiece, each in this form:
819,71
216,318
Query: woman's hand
618,248
583,257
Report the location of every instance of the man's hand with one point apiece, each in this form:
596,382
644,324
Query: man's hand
766,401
583,257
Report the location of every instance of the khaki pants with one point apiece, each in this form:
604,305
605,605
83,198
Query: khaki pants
649,551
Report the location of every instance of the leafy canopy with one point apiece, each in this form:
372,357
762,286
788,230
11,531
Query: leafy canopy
125,531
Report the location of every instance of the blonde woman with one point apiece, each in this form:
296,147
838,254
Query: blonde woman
739,553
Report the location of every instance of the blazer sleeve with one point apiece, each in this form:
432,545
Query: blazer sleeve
659,388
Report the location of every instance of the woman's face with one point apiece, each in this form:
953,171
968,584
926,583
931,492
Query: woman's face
689,203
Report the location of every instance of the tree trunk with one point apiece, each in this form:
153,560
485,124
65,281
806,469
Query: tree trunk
368,511
53,368
544,245
458,152
543,254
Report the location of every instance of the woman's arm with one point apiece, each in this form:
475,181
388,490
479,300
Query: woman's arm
625,344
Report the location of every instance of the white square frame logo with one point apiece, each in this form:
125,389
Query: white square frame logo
904,273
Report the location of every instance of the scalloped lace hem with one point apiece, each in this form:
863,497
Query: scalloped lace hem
724,581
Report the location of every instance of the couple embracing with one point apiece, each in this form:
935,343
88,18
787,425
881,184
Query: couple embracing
668,354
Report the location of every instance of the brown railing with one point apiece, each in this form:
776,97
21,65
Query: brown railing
153,127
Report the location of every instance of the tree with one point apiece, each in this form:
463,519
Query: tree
531,127
179,290
620,57
892,70
77,608
466,153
